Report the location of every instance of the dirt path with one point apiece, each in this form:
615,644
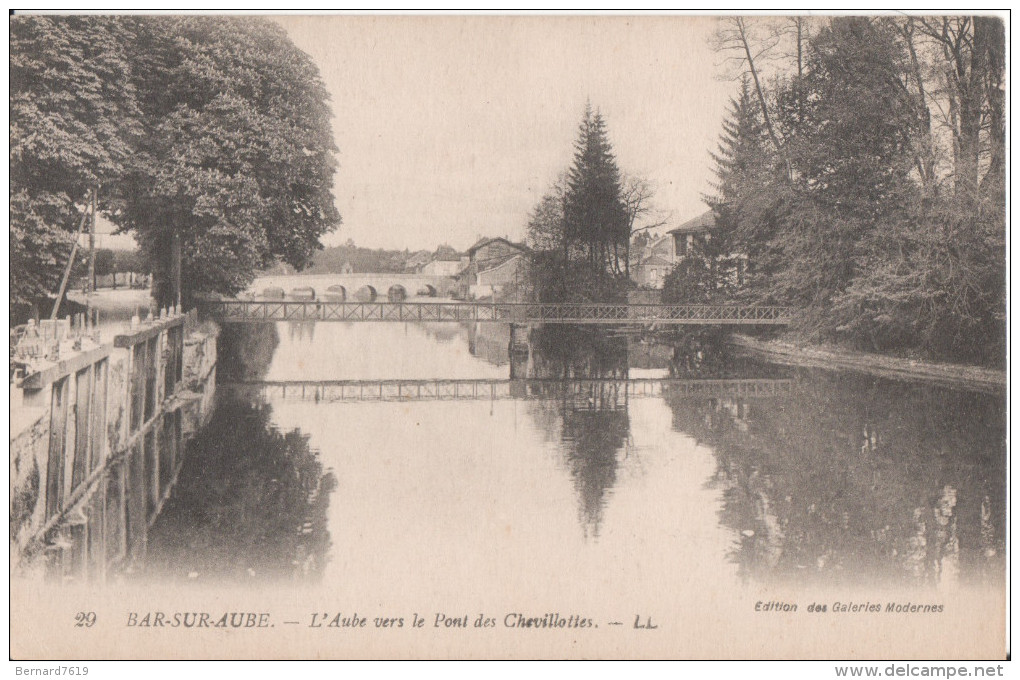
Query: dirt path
954,375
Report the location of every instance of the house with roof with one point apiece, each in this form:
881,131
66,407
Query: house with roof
650,271
649,267
443,265
693,232
417,260
495,266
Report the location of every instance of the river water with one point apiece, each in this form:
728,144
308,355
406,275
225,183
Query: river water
428,468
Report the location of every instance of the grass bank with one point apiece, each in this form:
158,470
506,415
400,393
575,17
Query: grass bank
797,354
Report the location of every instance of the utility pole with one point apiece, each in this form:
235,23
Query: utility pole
70,263
177,268
92,247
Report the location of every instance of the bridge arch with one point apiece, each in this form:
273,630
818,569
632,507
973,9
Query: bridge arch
366,293
336,293
396,293
427,290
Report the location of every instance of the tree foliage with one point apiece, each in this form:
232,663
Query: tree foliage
693,280
332,260
881,220
73,125
240,160
594,214
746,218
211,129
580,228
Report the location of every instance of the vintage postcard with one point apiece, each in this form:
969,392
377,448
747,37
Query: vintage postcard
508,337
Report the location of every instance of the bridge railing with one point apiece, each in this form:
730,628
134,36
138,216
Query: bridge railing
241,311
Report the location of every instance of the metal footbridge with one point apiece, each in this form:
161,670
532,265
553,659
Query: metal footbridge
261,311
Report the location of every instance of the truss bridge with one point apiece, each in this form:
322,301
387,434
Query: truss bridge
262,311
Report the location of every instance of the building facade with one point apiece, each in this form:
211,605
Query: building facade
484,275
441,267
506,282
649,268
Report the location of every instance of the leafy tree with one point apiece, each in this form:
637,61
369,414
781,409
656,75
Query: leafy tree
861,185
129,261
73,123
210,130
751,183
742,39
748,202
933,275
238,161
852,157
694,280
580,230
104,262
547,239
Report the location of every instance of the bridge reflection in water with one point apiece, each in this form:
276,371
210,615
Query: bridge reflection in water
757,471
442,390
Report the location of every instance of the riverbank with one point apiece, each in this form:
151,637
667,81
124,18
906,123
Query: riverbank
97,440
953,375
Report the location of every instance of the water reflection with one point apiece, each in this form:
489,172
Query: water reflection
250,504
594,426
726,468
853,479
245,352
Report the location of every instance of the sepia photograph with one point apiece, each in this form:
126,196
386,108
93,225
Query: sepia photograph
478,337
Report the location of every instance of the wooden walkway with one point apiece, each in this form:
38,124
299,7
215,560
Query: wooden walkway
260,311
482,389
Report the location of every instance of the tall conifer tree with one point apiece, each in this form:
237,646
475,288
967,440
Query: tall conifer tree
595,217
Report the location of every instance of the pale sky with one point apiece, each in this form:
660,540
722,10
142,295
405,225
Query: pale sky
453,127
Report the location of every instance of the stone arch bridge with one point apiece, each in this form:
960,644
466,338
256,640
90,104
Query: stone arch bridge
365,287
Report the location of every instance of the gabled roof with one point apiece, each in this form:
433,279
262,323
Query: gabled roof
699,224
486,241
420,257
502,264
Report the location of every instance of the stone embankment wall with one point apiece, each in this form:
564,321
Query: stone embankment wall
98,433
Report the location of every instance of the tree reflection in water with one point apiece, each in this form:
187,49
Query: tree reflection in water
853,479
593,424
251,501
705,352
245,351
250,504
